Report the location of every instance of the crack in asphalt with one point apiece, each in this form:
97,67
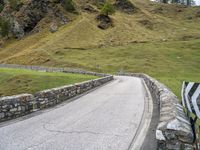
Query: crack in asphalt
69,132
84,115
80,132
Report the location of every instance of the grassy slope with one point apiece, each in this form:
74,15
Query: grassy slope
121,46
170,62
16,81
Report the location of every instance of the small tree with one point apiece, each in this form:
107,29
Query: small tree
69,5
4,27
1,7
107,8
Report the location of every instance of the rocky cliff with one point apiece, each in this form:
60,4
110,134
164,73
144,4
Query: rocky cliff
29,13
25,16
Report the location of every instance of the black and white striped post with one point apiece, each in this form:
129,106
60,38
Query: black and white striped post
191,101
191,97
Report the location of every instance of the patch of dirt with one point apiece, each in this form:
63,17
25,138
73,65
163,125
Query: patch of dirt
148,24
158,10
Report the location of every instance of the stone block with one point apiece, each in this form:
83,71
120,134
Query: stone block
13,110
2,115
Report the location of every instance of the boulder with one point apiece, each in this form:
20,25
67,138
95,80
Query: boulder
18,29
125,6
104,21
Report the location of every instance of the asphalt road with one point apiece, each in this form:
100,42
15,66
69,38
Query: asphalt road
107,118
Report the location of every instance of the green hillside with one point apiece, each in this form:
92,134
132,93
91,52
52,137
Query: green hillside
161,40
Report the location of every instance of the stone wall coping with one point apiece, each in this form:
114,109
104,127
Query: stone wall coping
15,96
69,86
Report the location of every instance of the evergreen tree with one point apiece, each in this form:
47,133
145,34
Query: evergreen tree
4,27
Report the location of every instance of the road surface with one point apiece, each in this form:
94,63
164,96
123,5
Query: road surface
107,118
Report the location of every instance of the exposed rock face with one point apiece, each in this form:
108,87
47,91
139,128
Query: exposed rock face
30,14
32,11
105,21
125,6
18,30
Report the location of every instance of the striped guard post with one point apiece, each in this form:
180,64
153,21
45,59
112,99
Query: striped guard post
191,97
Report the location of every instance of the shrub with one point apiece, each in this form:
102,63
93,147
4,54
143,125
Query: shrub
4,27
107,8
1,7
69,5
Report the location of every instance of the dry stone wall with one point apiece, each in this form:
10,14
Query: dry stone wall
15,106
48,98
174,130
19,105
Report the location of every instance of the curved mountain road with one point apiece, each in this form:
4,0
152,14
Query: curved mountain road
108,118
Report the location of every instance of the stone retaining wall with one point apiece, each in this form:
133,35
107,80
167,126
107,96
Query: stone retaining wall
52,69
19,105
174,130
15,106
48,98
